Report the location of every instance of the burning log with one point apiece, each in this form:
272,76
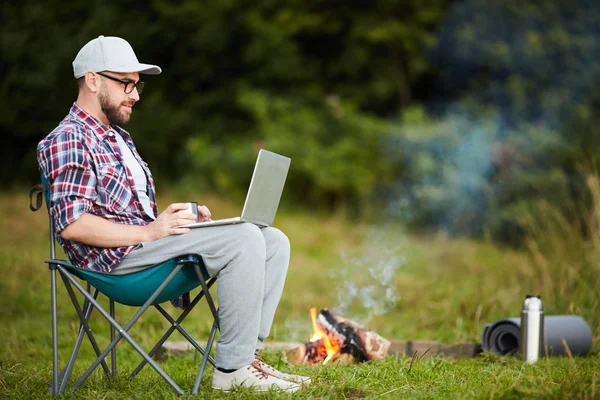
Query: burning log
361,343
308,353
338,339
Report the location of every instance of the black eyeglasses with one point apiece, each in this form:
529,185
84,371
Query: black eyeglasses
129,84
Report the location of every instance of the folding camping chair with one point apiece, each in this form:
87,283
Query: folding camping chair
150,287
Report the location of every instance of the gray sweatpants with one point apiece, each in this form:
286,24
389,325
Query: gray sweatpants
250,264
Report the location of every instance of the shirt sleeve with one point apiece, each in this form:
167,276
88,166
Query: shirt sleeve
66,163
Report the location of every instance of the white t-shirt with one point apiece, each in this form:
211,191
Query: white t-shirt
139,177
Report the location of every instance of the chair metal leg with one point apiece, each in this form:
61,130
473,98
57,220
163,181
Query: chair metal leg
113,352
216,324
209,344
53,305
123,331
63,376
84,317
176,324
209,299
54,389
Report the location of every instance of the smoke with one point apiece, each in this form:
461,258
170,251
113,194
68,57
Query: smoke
367,283
491,132
447,172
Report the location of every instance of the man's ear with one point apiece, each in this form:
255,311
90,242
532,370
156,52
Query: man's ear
92,82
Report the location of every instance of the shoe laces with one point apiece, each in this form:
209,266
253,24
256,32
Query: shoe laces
259,359
265,367
268,368
258,370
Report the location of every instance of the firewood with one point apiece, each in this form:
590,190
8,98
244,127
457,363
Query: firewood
376,347
308,353
296,355
342,358
362,343
350,341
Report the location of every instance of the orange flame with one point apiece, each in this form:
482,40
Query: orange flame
319,334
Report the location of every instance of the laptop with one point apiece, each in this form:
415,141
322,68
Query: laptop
264,193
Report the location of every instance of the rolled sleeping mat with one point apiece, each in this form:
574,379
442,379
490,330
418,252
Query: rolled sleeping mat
504,335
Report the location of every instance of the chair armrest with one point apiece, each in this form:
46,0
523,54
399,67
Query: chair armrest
36,192
63,263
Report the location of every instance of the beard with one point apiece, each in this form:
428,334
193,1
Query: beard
113,113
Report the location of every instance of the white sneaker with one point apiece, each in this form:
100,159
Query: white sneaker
251,376
303,380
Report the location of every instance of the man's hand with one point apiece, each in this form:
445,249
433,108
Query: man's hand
97,231
167,222
203,214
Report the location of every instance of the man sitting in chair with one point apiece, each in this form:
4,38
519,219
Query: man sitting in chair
102,202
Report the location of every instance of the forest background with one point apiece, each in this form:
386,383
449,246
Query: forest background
452,115
444,165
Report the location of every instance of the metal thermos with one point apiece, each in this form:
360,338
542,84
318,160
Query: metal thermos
532,329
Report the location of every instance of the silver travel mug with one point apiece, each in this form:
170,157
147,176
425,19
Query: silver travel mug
532,329
193,208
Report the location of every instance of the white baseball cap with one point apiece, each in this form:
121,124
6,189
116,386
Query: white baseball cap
109,54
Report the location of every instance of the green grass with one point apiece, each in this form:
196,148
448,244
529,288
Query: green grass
441,289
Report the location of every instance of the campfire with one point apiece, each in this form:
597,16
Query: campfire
338,339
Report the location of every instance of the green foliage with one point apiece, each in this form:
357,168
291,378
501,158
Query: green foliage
212,53
445,114
466,174
337,150
564,251
536,61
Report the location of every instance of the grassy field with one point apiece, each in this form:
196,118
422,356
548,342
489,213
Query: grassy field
402,286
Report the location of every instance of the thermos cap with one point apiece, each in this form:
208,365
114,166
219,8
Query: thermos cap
532,303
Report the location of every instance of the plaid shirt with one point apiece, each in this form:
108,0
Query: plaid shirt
87,174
